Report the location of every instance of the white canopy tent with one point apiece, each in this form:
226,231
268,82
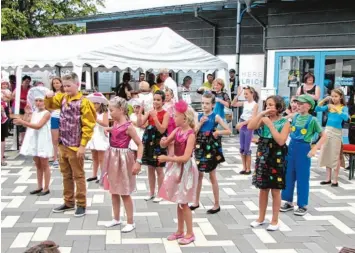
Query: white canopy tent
145,49
148,49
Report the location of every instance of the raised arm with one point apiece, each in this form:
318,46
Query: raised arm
35,126
279,137
104,122
226,130
142,119
161,126
165,141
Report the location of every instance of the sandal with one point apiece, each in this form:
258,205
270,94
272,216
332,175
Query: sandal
175,236
185,241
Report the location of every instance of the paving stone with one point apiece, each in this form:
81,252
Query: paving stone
319,231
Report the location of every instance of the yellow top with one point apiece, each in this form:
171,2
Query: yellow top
207,85
155,88
87,110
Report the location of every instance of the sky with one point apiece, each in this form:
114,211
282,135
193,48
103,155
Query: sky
126,5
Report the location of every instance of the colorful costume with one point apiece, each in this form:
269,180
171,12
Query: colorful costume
298,163
173,189
270,165
151,142
331,149
208,150
77,122
119,161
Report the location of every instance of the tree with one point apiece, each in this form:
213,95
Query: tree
33,18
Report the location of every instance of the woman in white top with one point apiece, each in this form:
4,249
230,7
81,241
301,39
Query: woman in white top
250,110
37,140
57,87
99,142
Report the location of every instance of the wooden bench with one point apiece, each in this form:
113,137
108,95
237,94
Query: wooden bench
349,149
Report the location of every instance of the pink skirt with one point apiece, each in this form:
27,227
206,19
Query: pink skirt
180,191
117,170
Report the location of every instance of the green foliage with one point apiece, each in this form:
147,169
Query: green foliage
32,18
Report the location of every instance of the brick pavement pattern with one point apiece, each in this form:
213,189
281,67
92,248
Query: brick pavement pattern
28,220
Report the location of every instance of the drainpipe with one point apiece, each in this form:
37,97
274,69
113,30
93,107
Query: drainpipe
264,41
213,25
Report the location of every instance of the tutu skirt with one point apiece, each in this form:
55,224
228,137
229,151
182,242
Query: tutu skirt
180,191
117,170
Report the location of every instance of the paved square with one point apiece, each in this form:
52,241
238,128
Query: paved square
27,220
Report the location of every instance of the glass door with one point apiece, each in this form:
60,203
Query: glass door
290,69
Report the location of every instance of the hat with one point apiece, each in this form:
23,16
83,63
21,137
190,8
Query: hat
36,93
232,71
305,98
135,102
97,97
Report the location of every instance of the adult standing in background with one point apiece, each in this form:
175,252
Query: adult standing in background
25,87
232,83
308,87
185,89
168,81
124,88
151,79
159,85
208,83
141,77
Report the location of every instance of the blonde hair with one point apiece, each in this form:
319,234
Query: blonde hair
170,91
219,81
190,117
121,103
71,77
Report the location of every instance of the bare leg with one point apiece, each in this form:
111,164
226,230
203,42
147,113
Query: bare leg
276,204
199,188
95,162
47,173
116,206
336,173
181,219
37,161
101,157
151,180
188,220
160,176
244,162
329,174
263,200
128,204
22,136
215,188
248,163
55,141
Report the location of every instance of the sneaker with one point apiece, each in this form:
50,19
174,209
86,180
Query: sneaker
55,163
80,211
256,224
63,208
273,227
286,207
149,198
128,228
113,223
157,200
300,211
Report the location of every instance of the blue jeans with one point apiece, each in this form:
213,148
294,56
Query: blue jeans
298,169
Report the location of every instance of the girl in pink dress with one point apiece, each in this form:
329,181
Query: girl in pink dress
181,177
120,166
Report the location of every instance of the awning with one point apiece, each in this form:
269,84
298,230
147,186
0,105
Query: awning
148,49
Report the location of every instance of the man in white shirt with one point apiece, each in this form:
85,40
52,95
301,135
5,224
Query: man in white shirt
168,81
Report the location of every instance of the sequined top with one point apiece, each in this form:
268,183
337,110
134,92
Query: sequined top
181,141
119,137
160,116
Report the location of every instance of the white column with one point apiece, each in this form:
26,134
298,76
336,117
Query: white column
88,80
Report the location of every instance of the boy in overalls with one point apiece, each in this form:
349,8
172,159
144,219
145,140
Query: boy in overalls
304,126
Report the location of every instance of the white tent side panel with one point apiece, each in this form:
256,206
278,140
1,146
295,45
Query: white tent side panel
136,49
